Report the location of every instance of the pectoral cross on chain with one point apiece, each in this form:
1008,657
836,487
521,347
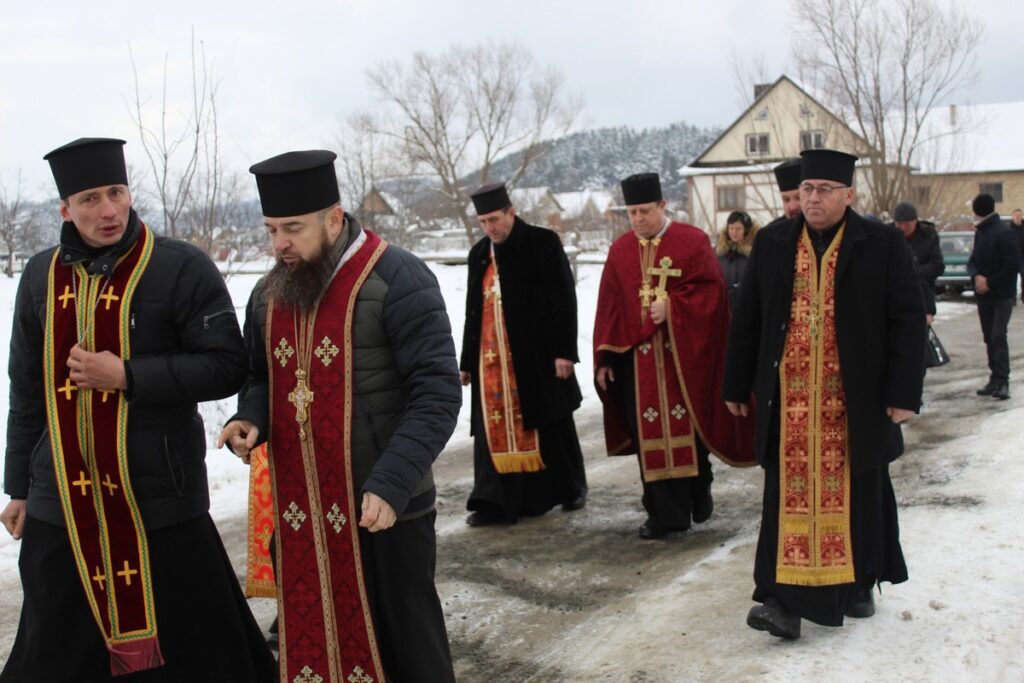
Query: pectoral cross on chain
301,397
813,319
663,274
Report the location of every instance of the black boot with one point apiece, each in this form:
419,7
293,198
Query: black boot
703,506
772,617
862,606
1002,392
989,388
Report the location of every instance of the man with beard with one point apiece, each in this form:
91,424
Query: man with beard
518,350
659,349
117,335
827,335
353,384
787,177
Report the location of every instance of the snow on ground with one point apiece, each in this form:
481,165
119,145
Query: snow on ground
956,619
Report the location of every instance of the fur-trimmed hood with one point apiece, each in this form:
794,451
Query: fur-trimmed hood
744,247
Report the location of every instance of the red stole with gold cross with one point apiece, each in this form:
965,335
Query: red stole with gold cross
259,572
513,447
668,448
88,438
679,364
325,625
814,512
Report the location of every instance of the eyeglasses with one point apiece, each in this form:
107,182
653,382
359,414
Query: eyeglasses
824,191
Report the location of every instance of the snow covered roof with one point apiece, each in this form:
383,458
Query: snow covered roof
972,138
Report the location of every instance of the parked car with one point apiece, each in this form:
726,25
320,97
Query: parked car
956,249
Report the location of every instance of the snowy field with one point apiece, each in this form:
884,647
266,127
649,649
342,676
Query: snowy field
960,488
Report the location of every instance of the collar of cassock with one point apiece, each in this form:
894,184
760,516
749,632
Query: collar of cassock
97,261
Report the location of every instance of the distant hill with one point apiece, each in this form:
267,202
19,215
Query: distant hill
601,157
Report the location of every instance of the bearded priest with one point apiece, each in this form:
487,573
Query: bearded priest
354,385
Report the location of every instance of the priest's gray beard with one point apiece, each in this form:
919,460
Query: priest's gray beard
300,286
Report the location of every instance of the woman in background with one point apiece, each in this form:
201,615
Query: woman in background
733,249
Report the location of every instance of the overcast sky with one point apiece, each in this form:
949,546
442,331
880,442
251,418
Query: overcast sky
289,69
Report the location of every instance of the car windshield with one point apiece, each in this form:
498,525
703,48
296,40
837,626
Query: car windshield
956,245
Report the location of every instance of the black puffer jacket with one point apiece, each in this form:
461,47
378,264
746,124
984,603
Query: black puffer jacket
996,255
186,348
406,390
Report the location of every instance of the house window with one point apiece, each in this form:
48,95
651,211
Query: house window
731,197
812,139
757,144
921,193
994,189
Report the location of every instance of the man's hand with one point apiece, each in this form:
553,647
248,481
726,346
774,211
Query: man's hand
658,311
605,375
563,368
13,518
103,370
378,514
737,409
465,378
898,415
240,436
981,284
929,318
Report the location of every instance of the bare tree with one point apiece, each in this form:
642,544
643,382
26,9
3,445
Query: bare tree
454,114
365,157
882,67
11,222
173,149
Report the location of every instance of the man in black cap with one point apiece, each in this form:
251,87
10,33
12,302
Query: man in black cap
923,240
787,177
828,332
659,349
117,335
518,352
993,265
354,386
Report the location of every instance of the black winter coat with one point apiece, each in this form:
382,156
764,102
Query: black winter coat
185,348
406,393
924,244
880,328
538,297
996,255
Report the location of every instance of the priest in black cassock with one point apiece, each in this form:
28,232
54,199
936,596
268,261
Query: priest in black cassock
518,352
826,336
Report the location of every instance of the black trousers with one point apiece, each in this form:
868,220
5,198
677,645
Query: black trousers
668,502
399,568
995,318
205,628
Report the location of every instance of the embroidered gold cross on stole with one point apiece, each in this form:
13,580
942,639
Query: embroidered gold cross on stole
663,274
301,397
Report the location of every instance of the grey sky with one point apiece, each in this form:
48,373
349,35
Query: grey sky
288,70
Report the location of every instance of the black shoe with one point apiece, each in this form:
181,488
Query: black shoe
702,508
862,606
578,504
1001,392
773,618
649,532
480,518
988,389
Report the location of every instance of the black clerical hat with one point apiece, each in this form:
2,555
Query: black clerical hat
787,175
296,183
489,198
641,188
827,164
86,163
